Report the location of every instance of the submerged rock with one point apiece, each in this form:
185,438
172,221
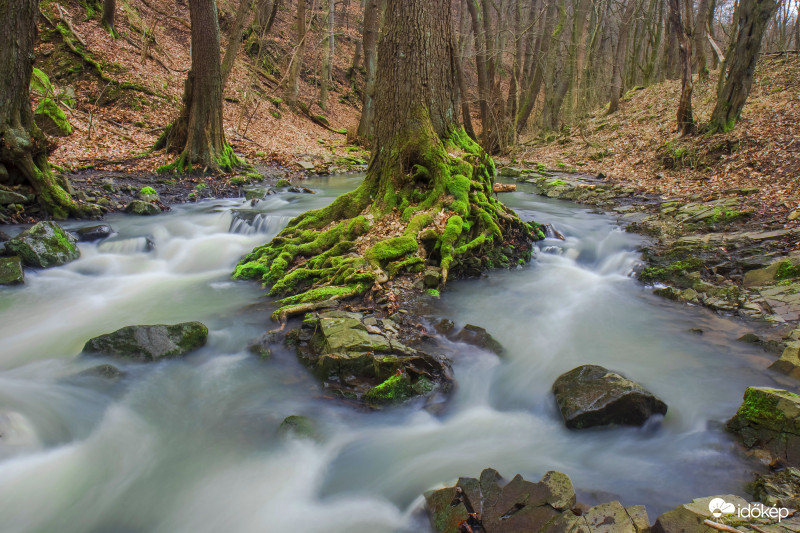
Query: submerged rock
769,419
519,506
94,233
11,272
300,427
108,372
362,357
477,336
44,245
150,343
142,208
591,395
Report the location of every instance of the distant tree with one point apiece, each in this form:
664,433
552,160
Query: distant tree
109,8
198,134
291,88
328,50
620,55
235,38
23,147
680,14
372,14
738,70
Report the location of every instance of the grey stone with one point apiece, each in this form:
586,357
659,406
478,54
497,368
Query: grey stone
94,233
44,245
11,272
769,419
150,343
689,517
142,208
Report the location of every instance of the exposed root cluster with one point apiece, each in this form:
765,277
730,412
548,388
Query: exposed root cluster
445,217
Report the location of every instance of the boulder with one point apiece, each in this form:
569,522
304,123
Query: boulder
362,357
51,119
142,208
477,336
94,233
779,489
11,272
689,517
490,505
44,245
769,419
591,395
789,363
107,372
150,343
10,197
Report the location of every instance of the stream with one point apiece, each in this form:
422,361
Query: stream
191,445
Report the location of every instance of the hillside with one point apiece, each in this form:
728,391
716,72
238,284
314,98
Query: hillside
639,144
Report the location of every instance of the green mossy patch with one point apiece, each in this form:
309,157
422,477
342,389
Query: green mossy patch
395,389
671,271
51,119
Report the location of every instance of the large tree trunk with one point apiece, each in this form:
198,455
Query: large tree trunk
109,7
681,22
372,16
198,134
427,183
291,89
619,56
23,148
740,63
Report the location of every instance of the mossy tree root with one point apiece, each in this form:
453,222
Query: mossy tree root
441,192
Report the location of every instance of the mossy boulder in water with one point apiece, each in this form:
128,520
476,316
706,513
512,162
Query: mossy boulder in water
44,245
142,208
300,427
11,271
591,395
769,419
150,343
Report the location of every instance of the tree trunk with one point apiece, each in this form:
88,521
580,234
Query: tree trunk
545,41
681,24
372,14
109,7
483,74
23,147
266,11
291,88
328,45
740,63
700,26
619,56
198,134
235,39
426,178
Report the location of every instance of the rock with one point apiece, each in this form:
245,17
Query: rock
283,183
300,427
609,517
789,363
150,343
51,119
561,493
769,419
591,395
689,517
794,215
108,372
305,165
779,489
432,278
142,208
11,272
349,356
477,336
10,197
761,276
510,172
94,233
44,245
261,345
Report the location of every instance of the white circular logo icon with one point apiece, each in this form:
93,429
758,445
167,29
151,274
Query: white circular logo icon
719,507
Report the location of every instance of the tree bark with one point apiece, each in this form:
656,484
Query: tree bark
619,56
328,45
740,63
700,28
681,22
372,14
540,59
23,147
109,8
235,39
482,71
291,89
198,133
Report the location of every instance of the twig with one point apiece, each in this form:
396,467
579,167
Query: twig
62,14
721,527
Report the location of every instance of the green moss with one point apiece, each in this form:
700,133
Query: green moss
417,223
390,249
459,187
433,292
787,270
665,273
452,232
760,407
395,389
283,183
251,270
556,183
48,107
410,264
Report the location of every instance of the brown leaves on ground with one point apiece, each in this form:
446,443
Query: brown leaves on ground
640,144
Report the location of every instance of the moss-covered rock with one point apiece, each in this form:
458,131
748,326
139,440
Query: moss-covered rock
769,419
51,119
690,517
591,395
148,194
150,343
395,389
11,272
44,245
142,208
300,427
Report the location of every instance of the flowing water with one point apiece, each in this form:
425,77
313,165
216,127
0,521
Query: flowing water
191,445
